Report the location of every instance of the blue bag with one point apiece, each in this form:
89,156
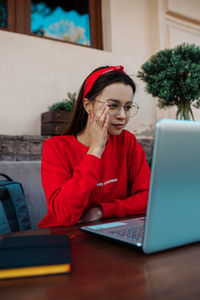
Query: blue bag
14,214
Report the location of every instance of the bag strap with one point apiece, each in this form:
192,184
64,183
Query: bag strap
6,176
2,190
16,195
4,225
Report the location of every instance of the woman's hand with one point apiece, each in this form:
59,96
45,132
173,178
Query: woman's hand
99,131
94,214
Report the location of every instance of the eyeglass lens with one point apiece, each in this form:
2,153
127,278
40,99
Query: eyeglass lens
130,109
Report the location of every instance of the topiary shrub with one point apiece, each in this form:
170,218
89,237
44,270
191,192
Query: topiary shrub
173,75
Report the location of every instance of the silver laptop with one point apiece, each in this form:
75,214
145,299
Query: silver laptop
173,210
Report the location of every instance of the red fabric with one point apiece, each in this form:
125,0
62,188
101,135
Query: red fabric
93,77
75,181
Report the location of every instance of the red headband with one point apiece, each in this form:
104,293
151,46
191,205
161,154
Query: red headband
93,77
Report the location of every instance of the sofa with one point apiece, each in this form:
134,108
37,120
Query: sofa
28,173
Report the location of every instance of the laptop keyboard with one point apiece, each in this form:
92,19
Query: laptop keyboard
135,233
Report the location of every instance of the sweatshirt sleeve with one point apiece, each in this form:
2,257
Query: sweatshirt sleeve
67,194
139,178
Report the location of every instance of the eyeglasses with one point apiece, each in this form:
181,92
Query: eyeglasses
115,106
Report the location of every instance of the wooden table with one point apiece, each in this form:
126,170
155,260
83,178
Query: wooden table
103,269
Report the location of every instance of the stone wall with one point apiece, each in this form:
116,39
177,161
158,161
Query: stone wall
25,147
147,145
29,147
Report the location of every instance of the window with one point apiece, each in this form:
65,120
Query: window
75,21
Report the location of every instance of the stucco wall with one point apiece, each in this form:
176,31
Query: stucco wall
36,72
179,21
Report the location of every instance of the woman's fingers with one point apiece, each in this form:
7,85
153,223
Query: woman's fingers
100,116
99,131
103,116
106,123
99,112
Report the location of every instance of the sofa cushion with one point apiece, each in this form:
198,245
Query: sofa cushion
28,173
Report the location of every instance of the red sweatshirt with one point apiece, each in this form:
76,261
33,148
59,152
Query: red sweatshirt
75,181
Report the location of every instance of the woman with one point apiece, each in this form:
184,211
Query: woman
98,170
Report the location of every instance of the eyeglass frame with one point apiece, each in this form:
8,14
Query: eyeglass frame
133,104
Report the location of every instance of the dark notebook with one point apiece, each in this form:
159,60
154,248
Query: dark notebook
36,255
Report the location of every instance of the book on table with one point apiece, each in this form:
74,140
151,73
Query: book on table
34,255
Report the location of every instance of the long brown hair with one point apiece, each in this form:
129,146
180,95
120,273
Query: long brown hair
79,118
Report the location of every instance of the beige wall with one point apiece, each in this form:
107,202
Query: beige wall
36,72
179,21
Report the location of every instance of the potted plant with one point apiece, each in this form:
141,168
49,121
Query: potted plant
173,76
55,121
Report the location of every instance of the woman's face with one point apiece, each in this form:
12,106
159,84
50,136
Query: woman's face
117,95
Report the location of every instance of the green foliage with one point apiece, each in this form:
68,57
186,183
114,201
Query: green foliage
173,75
66,104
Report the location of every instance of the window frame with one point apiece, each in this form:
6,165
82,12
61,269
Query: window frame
19,20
